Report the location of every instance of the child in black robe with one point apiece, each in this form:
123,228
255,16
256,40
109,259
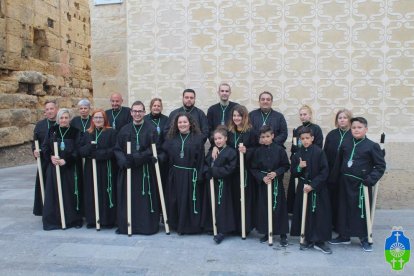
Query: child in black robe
309,164
269,163
221,169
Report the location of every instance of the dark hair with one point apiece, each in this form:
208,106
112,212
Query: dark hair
138,103
265,129
362,120
305,130
189,90
221,129
174,128
266,92
51,101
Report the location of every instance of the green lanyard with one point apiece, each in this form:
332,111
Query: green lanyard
157,125
48,123
97,135
185,110
62,143
182,144
223,111
265,119
137,134
114,117
342,137
350,161
236,139
84,125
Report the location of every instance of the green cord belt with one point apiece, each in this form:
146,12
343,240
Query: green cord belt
194,180
109,188
146,175
76,192
275,190
361,194
221,182
313,197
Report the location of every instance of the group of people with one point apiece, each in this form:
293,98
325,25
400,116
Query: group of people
120,140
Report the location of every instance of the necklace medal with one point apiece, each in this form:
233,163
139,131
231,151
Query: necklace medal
62,146
350,162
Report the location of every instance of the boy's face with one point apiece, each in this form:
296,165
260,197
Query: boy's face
359,130
266,138
306,139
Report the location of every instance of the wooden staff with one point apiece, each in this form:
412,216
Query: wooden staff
95,191
295,143
270,213
213,206
367,210
39,169
161,191
59,186
375,188
129,193
242,195
302,226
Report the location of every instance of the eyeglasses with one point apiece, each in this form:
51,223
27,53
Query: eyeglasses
137,111
98,118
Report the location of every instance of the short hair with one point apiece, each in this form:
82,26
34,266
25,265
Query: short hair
305,130
266,92
224,84
138,103
347,112
361,120
63,111
266,128
155,100
221,129
51,101
84,102
189,90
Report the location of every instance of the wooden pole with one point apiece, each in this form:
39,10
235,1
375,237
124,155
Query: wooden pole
376,187
368,214
129,193
95,191
302,227
213,206
270,213
242,195
295,143
161,191
40,171
59,187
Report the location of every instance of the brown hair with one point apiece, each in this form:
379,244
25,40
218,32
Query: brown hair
348,114
92,128
153,101
246,125
174,128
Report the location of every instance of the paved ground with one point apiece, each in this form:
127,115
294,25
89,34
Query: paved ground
28,250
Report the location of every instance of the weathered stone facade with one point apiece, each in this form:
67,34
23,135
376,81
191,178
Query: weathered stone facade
44,54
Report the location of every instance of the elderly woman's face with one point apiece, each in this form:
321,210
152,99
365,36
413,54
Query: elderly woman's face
64,120
84,111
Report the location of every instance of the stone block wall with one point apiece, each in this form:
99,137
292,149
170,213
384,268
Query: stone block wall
44,54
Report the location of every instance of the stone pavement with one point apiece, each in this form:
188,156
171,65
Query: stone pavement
28,250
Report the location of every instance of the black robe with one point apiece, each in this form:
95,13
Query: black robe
272,158
106,173
122,117
222,172
250,141
318,212
216,117
368,167
40,132
69,178
331,147
185,185
145,212
275,120
197,114
318,141
81,124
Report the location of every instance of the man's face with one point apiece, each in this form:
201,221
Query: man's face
84,111
188,99
224,93
137,113
265,101
116,102
359,130
51,111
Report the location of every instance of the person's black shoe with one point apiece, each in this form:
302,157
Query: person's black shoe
340,240
321,246
264,239
77,226
117,231
219,238
366,246
306,245
283,241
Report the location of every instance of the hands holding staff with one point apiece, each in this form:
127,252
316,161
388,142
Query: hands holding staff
302,163
57,161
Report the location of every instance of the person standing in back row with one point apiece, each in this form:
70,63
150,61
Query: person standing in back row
118,115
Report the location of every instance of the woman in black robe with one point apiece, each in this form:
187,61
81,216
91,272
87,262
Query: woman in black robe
305,116
98,143
309,164
221,169
67,139
145,211
184,147
269,163
333,142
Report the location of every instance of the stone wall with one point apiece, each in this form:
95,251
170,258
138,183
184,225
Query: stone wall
44,54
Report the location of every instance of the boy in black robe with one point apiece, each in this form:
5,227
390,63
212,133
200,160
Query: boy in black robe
269,163
360,162
309,164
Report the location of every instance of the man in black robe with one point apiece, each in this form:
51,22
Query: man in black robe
220,113
144,198
189,107
265,115
118,115
360,162
40,132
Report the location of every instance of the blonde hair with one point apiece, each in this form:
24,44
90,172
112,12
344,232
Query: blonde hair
347,112
308,108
